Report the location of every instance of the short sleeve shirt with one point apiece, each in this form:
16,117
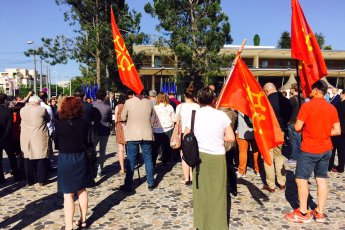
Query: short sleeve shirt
209,130
319,117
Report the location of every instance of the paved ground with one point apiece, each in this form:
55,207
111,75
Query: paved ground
169,206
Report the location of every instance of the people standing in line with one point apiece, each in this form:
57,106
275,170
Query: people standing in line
163,119
6,125
153,96
210,197
294,137
137,112
185,111
245,138
102,117
119,130
339,141
282,110
72,176
34,138
318,121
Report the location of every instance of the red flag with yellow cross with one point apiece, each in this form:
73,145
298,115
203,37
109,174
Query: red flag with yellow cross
306,49
127,71
243,93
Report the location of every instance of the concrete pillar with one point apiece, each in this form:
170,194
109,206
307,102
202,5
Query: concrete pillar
256,61
152,60
153,81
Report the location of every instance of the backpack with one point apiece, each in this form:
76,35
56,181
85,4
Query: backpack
190,149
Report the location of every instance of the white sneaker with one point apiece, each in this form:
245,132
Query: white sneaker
239,175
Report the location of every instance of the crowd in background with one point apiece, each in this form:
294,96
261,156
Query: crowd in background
32,127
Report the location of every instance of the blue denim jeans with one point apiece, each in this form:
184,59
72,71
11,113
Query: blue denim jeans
295,142
132,154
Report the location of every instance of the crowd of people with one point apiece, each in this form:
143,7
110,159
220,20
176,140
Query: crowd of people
32,127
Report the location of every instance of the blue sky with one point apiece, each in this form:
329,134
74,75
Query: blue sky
21,21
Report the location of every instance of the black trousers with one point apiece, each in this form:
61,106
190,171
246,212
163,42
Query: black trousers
11,157
162,141
339,146
232,177
36,169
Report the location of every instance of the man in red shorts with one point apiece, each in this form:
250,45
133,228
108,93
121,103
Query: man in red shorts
318,120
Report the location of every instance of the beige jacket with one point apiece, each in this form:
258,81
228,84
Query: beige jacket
137,112
34,132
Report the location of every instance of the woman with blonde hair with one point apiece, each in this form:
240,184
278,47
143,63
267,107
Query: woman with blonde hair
163,119
120,138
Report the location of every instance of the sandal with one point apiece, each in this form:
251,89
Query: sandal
81,224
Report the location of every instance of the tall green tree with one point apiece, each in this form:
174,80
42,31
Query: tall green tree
93,45
256,40
320,39
195,31
284,41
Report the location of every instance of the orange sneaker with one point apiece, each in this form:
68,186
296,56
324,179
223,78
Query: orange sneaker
318,217
297,217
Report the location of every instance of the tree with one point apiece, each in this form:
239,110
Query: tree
327,47
93,46
256,40
195,31
320,39
284,41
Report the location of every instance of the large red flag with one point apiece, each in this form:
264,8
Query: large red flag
306,49
128,73
243,93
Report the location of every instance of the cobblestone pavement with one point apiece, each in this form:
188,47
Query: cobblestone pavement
169,206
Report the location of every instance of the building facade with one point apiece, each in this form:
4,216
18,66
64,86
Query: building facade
267,63
13,78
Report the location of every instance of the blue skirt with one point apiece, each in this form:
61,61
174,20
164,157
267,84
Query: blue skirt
72,172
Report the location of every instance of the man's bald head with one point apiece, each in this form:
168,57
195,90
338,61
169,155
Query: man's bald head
269,88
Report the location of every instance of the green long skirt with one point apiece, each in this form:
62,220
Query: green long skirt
209,200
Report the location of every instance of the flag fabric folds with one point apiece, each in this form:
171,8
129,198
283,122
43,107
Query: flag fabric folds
127,71
243,93
306,49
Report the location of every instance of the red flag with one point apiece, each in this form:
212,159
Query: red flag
243,93
128,73
306,49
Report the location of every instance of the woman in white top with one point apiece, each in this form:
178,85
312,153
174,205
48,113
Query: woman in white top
211,129
185,110
163,119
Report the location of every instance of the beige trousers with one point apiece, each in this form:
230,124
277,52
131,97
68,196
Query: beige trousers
276,169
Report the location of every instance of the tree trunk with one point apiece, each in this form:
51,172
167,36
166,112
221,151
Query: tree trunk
98,50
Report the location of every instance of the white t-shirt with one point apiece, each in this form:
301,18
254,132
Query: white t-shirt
209,130
186,113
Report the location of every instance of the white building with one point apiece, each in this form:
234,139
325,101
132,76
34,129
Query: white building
11,80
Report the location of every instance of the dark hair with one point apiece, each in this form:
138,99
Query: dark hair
145,92
130,92
101,94
320,85
205,96
189,92
122,98
43,95
70,108
3,98
343,91
79,93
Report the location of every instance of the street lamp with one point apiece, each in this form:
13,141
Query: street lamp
34,75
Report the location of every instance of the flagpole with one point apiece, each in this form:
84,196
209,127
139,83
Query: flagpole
298,85
238,53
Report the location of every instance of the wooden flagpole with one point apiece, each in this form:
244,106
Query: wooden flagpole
238,53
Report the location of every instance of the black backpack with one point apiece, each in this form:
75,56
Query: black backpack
190,149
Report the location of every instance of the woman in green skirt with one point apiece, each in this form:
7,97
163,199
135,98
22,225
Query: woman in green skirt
211,128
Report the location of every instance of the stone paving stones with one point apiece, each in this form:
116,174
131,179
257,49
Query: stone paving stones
168,206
